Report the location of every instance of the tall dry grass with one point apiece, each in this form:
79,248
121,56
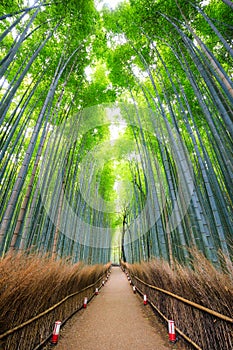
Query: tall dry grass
29,285
203,285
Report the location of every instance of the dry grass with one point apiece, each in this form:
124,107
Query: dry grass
203,285
30,285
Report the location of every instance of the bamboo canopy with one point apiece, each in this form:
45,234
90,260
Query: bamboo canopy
117,130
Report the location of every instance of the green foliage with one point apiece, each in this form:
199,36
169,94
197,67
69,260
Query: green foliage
145,55
107,181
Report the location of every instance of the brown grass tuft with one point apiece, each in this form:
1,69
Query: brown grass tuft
203,285
30,284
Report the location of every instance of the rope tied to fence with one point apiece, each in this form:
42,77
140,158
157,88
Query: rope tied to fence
31,320
186,301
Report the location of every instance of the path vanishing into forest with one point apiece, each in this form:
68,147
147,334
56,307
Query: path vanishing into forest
115,319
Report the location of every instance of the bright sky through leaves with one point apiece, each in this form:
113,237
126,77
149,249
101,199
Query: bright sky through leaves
111,4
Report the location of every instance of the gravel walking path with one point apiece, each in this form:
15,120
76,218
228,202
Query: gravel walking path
116,319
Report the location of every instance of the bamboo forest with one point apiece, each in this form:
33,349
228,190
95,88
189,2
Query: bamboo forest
116,137
116,129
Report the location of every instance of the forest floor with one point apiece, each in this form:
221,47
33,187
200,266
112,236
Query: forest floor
116,319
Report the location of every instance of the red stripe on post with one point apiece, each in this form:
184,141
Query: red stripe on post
85,303
171,331
56,330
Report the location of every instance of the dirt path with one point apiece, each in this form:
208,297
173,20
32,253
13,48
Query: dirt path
115,319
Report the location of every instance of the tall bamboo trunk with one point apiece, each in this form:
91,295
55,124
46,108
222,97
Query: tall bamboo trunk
24,205
56,234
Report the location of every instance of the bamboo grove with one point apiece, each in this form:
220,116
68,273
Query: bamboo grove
116,129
